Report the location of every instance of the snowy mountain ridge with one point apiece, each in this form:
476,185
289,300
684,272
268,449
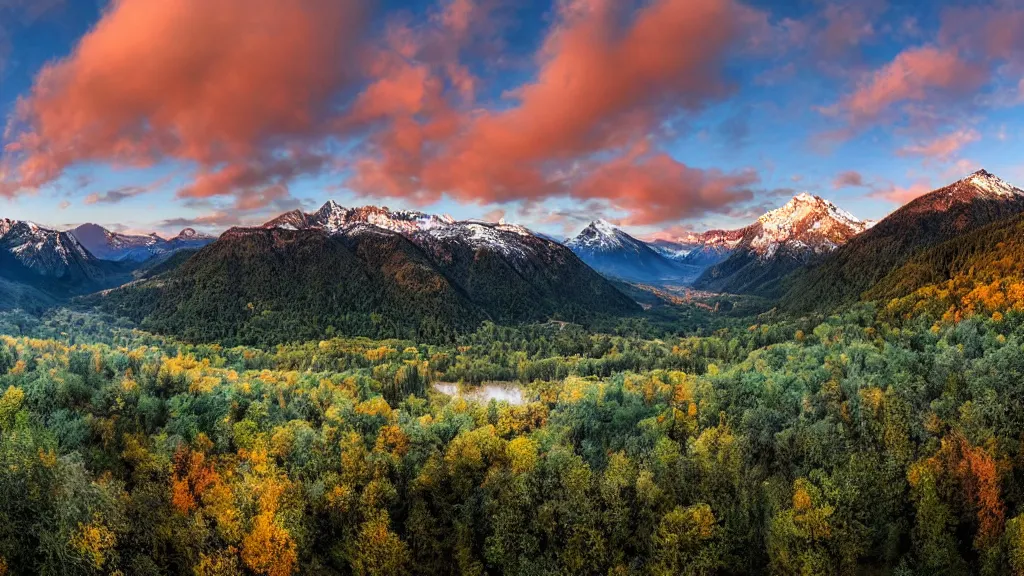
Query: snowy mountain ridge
805,223
991,185
46,252
108,245
419,227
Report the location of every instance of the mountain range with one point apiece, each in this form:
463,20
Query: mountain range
749,260
47,260
380,272
943,215
368,271
809,255
107,245
779,242
40,266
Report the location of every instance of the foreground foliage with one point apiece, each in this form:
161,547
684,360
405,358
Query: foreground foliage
847,447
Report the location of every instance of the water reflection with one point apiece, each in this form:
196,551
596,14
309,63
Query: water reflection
485,393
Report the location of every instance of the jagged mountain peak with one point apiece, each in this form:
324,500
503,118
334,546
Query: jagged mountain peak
188,233
333,217
806,205
49,253
991,185
780,241
601,235
118,246
604,226
612,251
422,228
978,186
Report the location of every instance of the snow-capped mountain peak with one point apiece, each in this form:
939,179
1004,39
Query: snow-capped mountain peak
48,252
804,206
419,227
600,235
992,185
805,221
612,251
805,224
333,217
109,245
605,227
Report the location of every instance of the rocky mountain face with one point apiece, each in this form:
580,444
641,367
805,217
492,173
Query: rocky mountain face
613,252
29,250
757,257
420,228
939,216
39,266
108,245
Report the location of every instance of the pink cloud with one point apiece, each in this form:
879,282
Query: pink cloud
902,195
220,84
253,94
495,215
655,188
942,147
606,80
914,75
847,26
992,31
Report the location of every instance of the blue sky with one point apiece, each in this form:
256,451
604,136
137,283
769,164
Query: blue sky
864,103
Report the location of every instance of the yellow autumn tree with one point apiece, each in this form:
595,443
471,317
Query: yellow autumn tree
378,550
268,549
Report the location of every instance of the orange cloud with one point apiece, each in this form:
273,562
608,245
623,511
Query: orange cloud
495,215
847,26
252,94
606,81
220,84
657,188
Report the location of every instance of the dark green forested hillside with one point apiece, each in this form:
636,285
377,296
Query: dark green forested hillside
273,286
269,286
745,272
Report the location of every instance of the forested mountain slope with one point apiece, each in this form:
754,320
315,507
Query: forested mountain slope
960,208
277,284
977,273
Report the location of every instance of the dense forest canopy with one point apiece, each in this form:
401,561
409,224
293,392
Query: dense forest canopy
845,445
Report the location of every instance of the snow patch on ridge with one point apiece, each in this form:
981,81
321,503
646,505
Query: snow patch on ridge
992,185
